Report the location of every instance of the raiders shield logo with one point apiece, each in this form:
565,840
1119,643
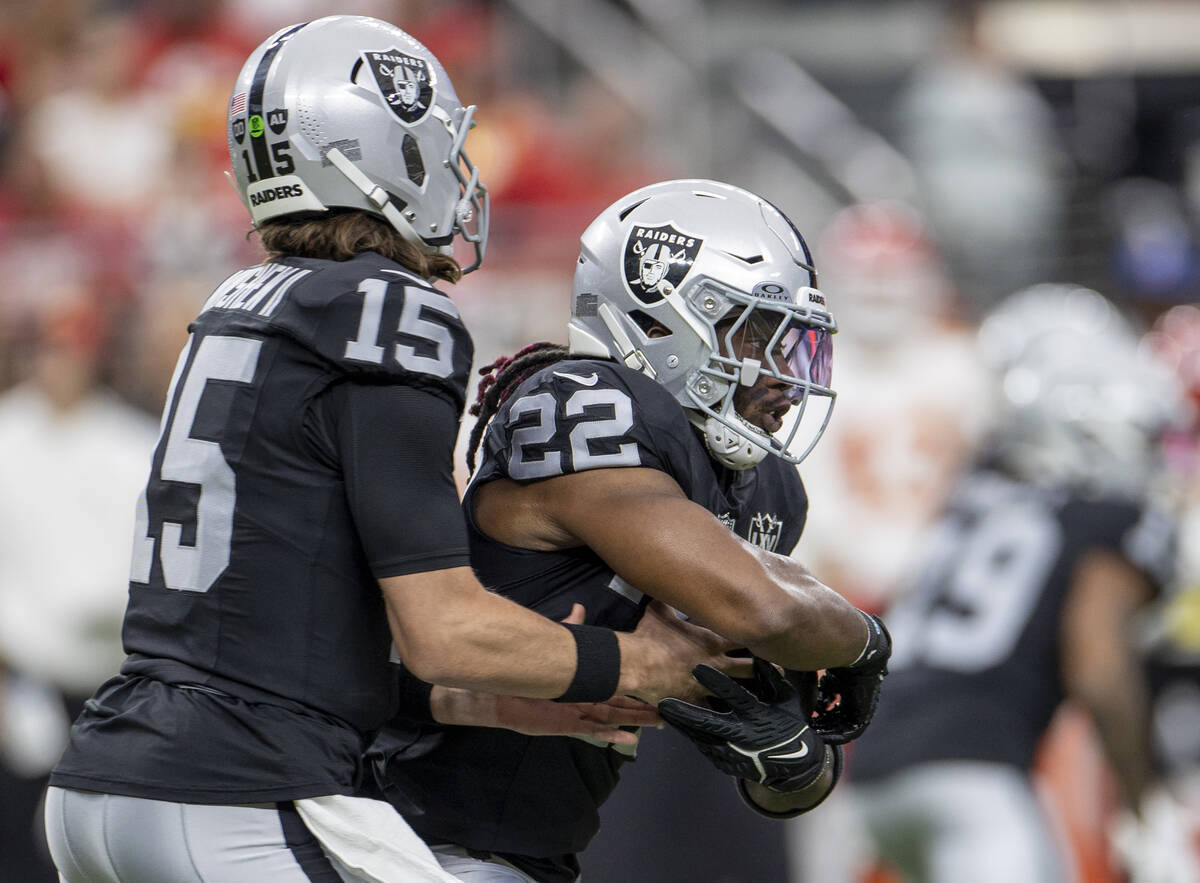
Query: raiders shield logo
765,529
406,83
657,259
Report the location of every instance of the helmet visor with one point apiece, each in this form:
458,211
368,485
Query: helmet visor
807,353
789,347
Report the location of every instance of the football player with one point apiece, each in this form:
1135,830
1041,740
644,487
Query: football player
1046,553
654,457
300,498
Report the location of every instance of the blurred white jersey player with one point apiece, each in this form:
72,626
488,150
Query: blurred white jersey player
899,438
886,462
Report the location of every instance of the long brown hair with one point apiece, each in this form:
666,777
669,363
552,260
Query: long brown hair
340,234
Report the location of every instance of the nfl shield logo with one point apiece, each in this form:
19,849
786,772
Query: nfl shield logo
765,529
657,259
405,81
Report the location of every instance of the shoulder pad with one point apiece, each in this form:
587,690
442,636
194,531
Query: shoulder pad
583,414
367,316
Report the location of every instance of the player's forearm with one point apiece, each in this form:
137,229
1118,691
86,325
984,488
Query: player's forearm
1101,665
489,644
812,628
766,602
1109,686
1119,711
449,630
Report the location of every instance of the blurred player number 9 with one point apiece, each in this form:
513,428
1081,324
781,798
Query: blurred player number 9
201,462
981,582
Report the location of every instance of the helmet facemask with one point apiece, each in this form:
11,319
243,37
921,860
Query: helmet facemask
765,387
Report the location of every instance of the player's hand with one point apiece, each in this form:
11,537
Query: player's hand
599,721
847,697
672,647
764,736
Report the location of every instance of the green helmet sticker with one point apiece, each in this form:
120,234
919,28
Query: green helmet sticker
256,126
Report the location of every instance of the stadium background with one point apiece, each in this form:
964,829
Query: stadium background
938,156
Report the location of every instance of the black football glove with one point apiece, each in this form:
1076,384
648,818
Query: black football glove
846,697
766,740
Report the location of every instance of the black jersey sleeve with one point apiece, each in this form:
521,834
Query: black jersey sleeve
395,446
1141,532
580,415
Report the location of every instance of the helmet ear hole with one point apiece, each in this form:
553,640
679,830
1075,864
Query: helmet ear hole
649,325
412,159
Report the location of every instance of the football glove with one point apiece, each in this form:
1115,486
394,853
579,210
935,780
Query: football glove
847,696
765,738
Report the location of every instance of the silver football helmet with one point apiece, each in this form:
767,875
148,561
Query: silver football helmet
352,112
706,288
1080,402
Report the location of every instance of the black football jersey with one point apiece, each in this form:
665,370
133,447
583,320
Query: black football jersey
255,630
975,672
537,798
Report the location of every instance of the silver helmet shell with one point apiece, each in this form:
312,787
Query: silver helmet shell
1081,403
661,268
352,112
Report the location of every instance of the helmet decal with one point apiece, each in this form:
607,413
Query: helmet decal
237,119
406,83
657,259
277,120
263,166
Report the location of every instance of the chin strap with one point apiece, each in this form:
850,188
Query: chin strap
381,200
728,447
629,354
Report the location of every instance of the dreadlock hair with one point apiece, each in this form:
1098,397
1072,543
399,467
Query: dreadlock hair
498,381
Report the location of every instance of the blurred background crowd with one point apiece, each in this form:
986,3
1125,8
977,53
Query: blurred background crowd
937,156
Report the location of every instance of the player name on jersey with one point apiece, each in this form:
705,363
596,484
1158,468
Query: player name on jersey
256,289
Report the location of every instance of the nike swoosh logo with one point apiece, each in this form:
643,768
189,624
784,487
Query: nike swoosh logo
793,754
589,380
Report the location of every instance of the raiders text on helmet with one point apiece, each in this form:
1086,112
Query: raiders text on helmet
670,274
351,112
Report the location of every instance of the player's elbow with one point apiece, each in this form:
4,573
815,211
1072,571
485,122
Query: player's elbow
436,656
423,660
